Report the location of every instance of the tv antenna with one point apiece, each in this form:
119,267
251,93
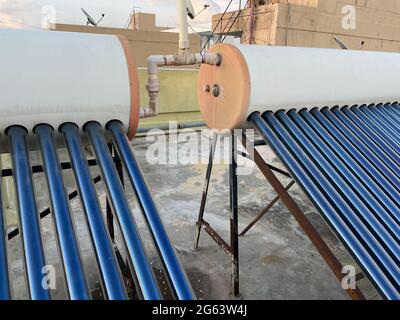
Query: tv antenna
340,43
205,7
190,10
90,20
132,17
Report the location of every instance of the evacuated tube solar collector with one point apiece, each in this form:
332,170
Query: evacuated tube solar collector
258,78
69,89
333,119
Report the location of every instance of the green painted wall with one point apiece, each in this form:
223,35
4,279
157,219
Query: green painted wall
178,98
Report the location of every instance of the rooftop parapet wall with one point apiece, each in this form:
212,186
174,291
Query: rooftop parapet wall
144,43
292,23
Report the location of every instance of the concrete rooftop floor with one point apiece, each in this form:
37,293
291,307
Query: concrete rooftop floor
277,261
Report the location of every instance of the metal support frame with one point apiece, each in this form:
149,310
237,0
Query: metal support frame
231,249
72,195
111,159
269,172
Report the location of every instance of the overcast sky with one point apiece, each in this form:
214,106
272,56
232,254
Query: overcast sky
29,13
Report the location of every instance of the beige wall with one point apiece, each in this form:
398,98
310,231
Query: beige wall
144,21
144,43
314,23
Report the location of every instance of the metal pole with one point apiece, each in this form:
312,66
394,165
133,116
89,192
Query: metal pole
109,214
146,279
183,26
44,213
304,223
205,192
167,253
28,214
265,210
111,276
4,276
234,217
74,272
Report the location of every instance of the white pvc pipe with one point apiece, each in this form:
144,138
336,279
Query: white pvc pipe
183,25
261,78
153,81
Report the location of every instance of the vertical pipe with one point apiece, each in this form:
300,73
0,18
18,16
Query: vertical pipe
121,207
4,276
28,214
234,217
107,261
171,264
74,272
183,26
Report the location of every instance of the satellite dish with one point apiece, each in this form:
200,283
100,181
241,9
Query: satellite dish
190,9
90,20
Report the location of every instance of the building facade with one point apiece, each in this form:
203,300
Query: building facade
359,24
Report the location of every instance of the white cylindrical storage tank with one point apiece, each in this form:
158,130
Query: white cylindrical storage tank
57,77
260,78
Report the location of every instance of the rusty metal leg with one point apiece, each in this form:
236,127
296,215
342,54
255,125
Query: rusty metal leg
304,223
265,210
200,219
234,218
